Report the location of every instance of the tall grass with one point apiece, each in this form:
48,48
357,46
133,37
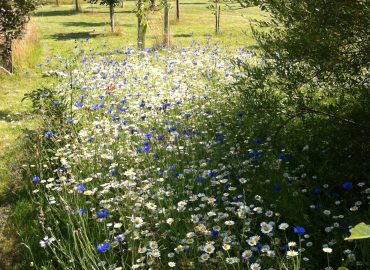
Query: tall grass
26,50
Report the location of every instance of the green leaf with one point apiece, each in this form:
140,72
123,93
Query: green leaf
360,231
342,268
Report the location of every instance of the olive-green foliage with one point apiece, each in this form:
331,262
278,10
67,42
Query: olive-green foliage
309,86
13,16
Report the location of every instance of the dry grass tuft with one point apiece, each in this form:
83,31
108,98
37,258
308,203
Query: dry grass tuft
24,48
117,33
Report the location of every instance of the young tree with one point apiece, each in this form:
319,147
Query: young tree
111,4
177,10
166,22
142,22
77,5
215,7
14,14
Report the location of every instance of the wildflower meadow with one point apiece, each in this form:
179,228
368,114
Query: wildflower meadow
189,135
148,161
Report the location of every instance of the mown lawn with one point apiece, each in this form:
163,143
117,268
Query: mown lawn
60,26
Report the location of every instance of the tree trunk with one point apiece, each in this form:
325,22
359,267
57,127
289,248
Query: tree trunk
6,59
77,6
57,2
122,1
153,4
217,16
141,25
218,20
166,24
111,14
178,10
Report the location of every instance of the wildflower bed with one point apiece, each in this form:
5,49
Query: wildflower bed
146,161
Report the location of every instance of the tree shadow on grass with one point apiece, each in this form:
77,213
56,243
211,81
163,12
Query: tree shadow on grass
9,116
56,13
84,24
196,3
115,11
127,25
73,36
183,35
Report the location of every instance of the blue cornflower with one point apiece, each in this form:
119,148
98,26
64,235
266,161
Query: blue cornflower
187,115
56,102
220,139
277,188
113,172
199,179
49,134
148,135
258,141
103,247
81,188
147,147
120,238
123,109
36,179
317,190
103,213
214,233
79,104
82,211
347,185
299,230
282,157
212,173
